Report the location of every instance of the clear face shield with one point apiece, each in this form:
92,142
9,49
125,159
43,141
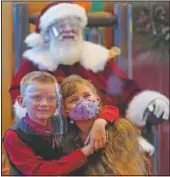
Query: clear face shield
67,28
40,106
58,121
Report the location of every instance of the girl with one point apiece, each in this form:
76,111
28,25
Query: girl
122,154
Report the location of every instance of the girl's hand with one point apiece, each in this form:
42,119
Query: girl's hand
97,135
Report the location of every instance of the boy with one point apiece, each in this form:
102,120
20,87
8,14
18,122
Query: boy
31,143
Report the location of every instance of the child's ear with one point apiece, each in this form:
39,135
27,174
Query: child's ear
98,99
65,113
20,100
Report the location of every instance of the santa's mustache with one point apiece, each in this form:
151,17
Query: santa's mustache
68,35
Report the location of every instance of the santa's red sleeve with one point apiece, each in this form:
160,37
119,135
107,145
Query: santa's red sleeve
109,113
26,67
133,99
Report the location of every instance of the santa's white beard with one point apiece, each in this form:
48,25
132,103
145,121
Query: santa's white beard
66,52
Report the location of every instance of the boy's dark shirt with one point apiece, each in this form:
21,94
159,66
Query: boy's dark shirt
43,148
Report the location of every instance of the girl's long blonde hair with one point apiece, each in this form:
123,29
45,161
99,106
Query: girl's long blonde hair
122,154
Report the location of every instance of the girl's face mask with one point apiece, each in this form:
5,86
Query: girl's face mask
84,110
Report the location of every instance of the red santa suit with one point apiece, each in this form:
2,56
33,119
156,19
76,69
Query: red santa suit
115,88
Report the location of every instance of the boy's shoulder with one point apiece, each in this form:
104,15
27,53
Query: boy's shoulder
11,132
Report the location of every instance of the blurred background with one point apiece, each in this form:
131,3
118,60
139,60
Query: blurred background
142,31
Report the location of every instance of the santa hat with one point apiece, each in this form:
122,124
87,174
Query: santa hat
53,12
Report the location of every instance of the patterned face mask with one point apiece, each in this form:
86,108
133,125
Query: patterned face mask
84,110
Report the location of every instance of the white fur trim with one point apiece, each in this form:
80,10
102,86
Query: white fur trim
34,39
19,111
41,58
60,11
139,103
94,57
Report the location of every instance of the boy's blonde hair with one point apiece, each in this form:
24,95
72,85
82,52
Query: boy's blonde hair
69,85
38,76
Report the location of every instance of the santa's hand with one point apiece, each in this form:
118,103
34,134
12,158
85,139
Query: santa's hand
113,52
160,109
146,146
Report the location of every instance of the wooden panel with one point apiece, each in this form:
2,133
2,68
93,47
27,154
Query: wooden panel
35,7
108,32
7,64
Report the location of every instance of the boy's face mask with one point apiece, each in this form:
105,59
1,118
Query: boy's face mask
84,110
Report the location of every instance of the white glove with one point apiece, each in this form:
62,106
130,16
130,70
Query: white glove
161,107
146,146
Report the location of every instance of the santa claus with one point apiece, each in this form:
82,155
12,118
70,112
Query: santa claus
58,47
